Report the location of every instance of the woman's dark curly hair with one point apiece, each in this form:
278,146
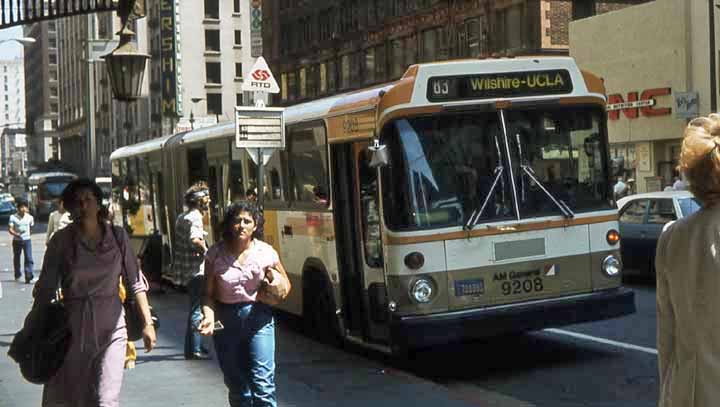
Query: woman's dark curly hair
232,212
69,195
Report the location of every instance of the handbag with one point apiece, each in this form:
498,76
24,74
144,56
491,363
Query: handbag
41,345
134,320
274,292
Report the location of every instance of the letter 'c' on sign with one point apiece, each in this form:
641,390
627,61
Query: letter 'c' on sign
649,94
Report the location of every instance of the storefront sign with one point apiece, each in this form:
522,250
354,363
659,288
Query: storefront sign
500,85
168,61
634,106
256,44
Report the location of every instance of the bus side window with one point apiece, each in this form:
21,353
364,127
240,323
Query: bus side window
370,213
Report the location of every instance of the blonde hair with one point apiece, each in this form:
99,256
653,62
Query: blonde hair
700,158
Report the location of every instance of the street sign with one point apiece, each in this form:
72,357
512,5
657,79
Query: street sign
259,127
261,79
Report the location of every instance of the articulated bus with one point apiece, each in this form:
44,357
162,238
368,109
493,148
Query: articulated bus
467,199
44,188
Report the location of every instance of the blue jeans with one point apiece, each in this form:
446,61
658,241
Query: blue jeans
193,339
246,352
20,246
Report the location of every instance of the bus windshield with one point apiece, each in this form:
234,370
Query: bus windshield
454,169
52,188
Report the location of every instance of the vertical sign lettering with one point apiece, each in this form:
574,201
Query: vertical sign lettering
256,44
168,62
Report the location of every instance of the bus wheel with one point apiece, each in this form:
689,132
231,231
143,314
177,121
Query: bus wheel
319,319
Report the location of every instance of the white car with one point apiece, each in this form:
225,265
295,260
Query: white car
6,197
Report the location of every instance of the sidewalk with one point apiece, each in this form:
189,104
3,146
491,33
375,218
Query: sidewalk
308,373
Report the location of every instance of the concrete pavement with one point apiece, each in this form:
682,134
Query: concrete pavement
308,373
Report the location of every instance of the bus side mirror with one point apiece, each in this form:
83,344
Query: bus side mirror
379,155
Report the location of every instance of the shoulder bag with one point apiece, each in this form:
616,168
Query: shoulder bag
134,320
274,292
41,345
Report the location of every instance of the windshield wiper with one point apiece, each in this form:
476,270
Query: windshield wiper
475,216
564,208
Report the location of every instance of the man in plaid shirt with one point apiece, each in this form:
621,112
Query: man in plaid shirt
188,262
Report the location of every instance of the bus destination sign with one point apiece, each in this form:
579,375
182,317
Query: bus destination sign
499,85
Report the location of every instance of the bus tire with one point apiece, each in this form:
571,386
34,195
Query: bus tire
319,319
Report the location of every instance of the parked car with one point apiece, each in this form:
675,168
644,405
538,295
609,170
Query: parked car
642,218
7,208
6,196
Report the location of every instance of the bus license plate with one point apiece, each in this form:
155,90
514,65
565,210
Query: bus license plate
522,286
469,287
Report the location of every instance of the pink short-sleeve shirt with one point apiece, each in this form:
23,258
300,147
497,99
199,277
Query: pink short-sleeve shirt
235,281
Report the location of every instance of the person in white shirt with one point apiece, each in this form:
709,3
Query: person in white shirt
679,184
19,227
620,189
57,221
188,261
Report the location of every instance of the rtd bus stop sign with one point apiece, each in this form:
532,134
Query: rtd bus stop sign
258,129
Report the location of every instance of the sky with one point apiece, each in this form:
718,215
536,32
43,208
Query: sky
12,49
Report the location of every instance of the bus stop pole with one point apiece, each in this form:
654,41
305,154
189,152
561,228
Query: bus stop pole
261,179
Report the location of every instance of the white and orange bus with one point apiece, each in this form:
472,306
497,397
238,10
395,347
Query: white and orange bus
467,199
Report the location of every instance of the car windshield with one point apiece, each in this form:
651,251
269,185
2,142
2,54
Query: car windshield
688,206
52,189
446,169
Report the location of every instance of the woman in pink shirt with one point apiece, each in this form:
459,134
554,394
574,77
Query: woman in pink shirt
236,268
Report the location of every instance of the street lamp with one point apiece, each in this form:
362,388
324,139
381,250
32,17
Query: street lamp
21,41
192,116
125,65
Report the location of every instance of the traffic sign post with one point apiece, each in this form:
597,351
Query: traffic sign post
260,130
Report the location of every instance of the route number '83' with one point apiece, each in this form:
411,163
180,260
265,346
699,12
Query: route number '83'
441,87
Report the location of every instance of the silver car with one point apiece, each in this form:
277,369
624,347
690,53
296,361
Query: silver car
642,218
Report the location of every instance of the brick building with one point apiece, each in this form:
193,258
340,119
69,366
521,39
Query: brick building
321,47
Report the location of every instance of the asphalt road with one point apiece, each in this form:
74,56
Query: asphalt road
610,363
602,364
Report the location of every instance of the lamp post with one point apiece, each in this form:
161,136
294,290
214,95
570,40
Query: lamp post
192,116
125,65
21,41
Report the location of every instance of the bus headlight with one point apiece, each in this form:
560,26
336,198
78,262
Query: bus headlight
422,290
611,266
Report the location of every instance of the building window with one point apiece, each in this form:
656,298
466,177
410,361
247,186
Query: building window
429,45
52,42
331,76
370,65
214,103
396,54
6,98
292,86
53,107
583,9
212,40
238,99
323,78
303,83
238,70
212,73
283,86
212,9
53,91
238,37
236,6
344,71
510,25
474,36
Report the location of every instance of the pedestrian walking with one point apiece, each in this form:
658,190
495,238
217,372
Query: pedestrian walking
188,262
90,256
58,220
236,267
20,226
687,264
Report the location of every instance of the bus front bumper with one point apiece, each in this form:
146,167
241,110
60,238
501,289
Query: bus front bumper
427,330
